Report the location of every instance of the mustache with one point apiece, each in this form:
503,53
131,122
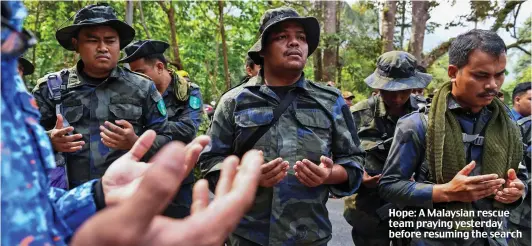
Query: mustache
488,93
293,52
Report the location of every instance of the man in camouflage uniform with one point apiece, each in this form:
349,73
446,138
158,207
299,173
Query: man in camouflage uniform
183,105
252,69
310,151
376,119
520,217
106,107
465,154
348,97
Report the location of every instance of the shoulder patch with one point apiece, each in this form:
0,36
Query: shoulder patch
194,102
161,107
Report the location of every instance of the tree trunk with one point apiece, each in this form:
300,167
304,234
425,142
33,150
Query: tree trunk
329,54
420,16
388,24
317,56
129,12
37,28
143,22
338,63
224,45
403,25
170,12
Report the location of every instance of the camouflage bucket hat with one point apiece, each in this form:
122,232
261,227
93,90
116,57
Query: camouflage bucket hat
275,16
143,48
95,15
396,71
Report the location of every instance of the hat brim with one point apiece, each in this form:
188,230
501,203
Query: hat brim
138,53
26,66
126,33
312,30
419,80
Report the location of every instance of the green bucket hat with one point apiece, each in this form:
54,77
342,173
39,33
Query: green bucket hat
95,15
143,48
396,71
275,16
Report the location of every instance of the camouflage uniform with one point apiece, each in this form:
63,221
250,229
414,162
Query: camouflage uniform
375,130
520,217
32,211
184,119
124,95
315,124
184,108
407,157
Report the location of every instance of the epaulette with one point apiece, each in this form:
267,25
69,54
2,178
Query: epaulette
332,90
139,74
362,105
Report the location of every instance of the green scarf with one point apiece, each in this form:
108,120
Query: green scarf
502,149
181,86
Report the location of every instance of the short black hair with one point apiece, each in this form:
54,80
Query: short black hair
249,62
152,58
520,89
421,69
464,44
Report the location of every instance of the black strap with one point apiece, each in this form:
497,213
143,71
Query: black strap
254,136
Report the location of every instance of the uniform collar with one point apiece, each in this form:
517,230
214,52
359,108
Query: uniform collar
453,105
259,81
75,80
516,115
170,88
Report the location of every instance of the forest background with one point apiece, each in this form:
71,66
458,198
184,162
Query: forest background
210,39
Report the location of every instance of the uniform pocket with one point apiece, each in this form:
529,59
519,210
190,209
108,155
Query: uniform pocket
249,120
314,133
127,112
73,113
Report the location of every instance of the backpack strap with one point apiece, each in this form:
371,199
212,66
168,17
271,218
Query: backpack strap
56,85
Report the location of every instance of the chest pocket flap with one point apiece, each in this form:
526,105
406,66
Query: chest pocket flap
313,118
254,117
126,111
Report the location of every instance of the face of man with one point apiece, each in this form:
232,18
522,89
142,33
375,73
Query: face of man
477,83
253,71
395,99
20,70
349,101
522,103
418,92
148,68
99,48
286,47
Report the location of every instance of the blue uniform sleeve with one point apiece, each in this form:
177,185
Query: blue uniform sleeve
185,126
345,149
73,207
404,159
156,119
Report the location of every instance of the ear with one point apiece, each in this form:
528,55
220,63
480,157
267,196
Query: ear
452,72
159,65
75,44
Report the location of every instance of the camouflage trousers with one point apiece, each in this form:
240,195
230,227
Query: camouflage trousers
361,212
